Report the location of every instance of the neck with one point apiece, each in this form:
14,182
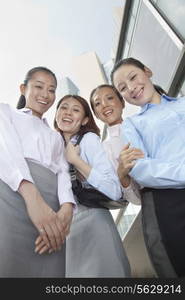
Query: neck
67,136
34,113
115,122
156,99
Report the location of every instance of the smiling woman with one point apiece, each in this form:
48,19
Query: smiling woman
93,247
108,105
35,188
161,170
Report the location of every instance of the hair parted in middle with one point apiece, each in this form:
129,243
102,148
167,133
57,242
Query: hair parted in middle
90,126
99,87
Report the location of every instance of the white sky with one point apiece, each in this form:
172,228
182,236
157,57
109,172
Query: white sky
50,33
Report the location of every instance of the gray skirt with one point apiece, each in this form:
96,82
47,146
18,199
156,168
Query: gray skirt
94,247
18,234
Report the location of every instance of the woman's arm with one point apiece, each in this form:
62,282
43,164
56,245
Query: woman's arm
14,172
152,172
97,168
13,167
127,160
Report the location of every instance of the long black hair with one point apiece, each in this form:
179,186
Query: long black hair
22,101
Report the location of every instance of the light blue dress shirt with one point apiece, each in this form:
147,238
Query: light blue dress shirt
159,131
102,175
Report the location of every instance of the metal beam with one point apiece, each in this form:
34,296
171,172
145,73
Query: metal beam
179,77
124,25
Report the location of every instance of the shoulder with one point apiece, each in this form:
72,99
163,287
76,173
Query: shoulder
57,134
57,139
128,121
91,143
90,138
180,98
106,143
5,107
7,110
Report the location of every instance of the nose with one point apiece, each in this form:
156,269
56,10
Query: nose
45,93
104,102
67,112
131,87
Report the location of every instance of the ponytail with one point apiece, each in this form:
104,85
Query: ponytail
160,90
22,102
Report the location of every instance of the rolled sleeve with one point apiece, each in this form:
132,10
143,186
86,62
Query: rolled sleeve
65,193
132,194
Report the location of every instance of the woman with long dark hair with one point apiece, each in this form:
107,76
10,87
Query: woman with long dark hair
94,247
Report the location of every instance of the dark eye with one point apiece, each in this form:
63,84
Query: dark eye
52,91
122,89
38,86
110,98
63,107
97,103
132,78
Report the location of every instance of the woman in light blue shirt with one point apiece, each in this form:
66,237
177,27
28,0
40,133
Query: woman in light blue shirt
159,131
94,247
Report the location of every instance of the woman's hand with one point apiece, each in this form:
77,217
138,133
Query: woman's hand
127,160
64,219
72,152
42,216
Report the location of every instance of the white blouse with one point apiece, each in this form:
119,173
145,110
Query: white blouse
24,136
113,145
102,175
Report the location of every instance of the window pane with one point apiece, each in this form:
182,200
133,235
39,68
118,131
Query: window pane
175,13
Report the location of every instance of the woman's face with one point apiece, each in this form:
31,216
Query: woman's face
134,85
107,106
39,92
70,116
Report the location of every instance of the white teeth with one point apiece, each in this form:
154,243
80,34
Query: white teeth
138,95
42,102
67,120
108,112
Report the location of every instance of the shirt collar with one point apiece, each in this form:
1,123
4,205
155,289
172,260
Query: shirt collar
114,130
164,98
29,112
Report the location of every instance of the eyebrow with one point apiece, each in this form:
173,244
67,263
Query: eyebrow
72,106
130,73
126,77
44,83
97,97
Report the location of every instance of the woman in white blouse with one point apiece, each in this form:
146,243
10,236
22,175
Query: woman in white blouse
108,105
35,188
94,247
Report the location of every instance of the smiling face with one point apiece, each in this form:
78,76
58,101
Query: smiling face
70,116
107,106
39,92
134,85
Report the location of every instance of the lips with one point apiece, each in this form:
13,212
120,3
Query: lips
66,120
138,94
108,112
42,102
